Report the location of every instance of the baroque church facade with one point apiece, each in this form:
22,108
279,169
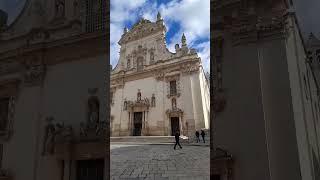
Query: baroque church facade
155,92
53,61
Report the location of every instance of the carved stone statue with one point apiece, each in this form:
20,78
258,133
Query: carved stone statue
139,95
153,101
49,136
60,8
82,129
125,105
93,112
174,103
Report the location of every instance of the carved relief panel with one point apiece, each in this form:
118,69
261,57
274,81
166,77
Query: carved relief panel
34,70
138,57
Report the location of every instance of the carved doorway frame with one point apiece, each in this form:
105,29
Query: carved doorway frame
175,113
145,111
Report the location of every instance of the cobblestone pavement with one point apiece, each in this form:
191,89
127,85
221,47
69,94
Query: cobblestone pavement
159,162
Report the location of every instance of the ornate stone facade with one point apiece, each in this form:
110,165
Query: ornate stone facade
262,78
147,70
52,90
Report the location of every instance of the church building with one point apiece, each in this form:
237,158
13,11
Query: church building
155,92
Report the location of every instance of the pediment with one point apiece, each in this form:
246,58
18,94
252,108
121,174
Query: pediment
140,30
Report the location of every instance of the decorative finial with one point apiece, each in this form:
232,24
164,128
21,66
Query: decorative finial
183,40
159,16
125,30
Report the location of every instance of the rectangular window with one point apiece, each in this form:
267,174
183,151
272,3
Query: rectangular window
1,155
216,177
95,15
4,112
173,88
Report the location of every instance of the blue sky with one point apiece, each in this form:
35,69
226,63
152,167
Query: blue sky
12,7
191,17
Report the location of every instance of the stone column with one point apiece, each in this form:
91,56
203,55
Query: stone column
169,125
66,170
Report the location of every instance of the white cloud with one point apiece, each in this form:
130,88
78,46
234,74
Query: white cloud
204,53
193,16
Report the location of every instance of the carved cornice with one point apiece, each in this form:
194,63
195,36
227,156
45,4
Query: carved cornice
176,112
158,72
139,103
189,68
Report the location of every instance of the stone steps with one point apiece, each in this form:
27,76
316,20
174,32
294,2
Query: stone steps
158,139
143,139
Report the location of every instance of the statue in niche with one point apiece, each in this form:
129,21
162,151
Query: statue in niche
151,56
139,95
75,8
93,106
153,101
59,6
174,103
82,129
140,64
49,137
125,104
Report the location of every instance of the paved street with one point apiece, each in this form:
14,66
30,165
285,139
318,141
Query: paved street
159,162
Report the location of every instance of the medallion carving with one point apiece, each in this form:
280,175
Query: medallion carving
34,71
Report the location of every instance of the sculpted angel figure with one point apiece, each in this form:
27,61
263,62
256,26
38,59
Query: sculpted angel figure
59,5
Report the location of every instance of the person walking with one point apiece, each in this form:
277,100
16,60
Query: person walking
203,135
177,135
197,135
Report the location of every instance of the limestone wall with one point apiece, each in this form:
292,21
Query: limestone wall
304,100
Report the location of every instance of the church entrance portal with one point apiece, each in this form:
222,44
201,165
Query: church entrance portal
174,125
137,123
90,169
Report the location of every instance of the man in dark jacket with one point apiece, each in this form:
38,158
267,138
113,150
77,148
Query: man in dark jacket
203,134
197,135
177,135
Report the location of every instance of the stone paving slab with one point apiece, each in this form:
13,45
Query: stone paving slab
159,162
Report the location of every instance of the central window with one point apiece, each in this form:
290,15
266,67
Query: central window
4,112
140,64
173,87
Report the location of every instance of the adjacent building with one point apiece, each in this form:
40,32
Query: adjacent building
52,98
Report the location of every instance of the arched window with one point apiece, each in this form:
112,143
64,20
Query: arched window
139,64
